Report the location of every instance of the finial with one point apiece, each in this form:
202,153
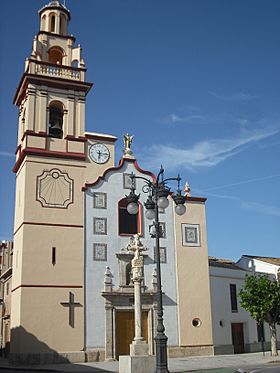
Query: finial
187,190
108,282
127,141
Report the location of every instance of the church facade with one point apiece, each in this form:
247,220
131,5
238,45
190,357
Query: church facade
72,297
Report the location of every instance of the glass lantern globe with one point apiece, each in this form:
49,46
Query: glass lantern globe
132,208
163,202
150,214
180,209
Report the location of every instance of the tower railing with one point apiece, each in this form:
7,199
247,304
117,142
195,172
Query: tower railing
53,70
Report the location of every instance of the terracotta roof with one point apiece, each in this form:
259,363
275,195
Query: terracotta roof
223,263
267,259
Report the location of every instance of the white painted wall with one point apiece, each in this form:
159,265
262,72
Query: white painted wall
256,265
220,280
94,271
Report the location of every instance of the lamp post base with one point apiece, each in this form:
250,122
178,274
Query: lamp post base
136,364
161,353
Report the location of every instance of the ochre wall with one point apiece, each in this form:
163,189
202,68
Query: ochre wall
193,280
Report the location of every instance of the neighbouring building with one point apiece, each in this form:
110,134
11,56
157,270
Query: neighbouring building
6,271
234,330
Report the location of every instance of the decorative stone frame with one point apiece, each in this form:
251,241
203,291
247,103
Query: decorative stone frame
99,200
127,182
190,234
116,301
100,229
162,254
99,252
46,185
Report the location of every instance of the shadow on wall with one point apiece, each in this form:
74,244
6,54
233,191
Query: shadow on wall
36,352
33,351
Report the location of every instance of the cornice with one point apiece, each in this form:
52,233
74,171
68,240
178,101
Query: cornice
117,168
47,153
49,81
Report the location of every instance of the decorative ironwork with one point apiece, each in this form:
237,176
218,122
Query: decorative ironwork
158,198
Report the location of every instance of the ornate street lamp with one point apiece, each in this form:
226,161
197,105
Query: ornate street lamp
158,198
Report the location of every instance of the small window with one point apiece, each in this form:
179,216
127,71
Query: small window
196,322
52,23
233,298
129,224
63,25
53,256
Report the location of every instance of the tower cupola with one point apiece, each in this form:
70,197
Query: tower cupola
54,18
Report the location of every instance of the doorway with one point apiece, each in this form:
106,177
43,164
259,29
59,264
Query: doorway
237,338
125,330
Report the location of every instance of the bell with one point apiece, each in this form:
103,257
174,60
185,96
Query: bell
56,131
56,122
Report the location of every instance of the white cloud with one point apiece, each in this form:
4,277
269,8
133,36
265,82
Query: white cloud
257,207
261,208
242,182
235,96
6,154
174,118
205,153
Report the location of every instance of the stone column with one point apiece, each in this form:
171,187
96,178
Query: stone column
137,311
139,360
138,346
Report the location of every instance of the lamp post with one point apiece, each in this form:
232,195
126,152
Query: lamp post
158,198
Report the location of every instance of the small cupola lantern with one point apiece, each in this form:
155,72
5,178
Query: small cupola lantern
54,18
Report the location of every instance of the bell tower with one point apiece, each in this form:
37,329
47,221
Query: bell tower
47,311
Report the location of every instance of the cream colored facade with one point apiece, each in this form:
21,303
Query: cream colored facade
53,164
193,282
49,216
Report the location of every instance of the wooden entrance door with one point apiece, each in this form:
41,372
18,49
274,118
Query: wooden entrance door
125,330
237,338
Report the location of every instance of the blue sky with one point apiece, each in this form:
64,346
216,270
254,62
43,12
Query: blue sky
196,82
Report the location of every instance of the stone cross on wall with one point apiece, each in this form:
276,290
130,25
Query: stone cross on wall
71,304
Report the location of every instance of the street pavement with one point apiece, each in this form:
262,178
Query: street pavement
246,363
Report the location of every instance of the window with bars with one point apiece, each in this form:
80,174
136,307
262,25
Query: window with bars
233,298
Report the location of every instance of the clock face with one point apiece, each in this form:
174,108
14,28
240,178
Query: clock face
99,153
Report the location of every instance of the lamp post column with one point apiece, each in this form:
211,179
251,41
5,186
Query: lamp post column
161,338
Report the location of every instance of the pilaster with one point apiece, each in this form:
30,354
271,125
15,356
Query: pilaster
42,120
30,108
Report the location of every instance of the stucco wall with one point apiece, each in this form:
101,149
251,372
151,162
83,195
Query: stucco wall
95,315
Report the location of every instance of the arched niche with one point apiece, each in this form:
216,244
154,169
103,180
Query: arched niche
52,21
56,55
44,23
56,113
63,25
75,63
